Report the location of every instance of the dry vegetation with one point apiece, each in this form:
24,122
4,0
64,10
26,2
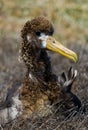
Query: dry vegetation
70,19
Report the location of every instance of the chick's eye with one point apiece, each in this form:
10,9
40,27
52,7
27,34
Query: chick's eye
38,33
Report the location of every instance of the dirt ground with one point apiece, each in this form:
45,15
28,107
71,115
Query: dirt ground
11,70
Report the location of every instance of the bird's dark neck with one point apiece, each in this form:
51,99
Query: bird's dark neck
38,63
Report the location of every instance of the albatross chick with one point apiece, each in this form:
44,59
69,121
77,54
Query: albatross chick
41,88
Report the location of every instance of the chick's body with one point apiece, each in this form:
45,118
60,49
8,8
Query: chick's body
39,83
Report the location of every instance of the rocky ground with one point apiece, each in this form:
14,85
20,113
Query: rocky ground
11,71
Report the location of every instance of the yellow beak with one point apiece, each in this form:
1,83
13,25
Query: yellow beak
56,46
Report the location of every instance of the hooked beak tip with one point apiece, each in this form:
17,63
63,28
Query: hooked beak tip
56,46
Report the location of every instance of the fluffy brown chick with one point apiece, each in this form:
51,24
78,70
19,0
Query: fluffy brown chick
41,87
